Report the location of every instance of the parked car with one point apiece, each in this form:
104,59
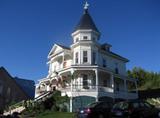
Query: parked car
134,109
95,110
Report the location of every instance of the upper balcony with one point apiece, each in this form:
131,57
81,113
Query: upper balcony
60,62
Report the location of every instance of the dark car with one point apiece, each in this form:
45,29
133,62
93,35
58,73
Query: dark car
95,110
134,109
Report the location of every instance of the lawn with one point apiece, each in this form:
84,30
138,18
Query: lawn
55,115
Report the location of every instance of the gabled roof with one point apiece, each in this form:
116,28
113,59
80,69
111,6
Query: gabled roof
86,22
64,47
123,58
54,48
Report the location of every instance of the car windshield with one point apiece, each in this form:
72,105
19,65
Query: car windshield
121,105
92,104
147,105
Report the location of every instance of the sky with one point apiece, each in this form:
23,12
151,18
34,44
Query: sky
29,29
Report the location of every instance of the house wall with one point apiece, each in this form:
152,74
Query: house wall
112,63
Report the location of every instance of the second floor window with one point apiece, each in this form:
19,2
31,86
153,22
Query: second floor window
104,63
77,39
76,57
116,70
85,56
94,58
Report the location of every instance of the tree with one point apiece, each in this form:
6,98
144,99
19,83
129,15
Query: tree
146,79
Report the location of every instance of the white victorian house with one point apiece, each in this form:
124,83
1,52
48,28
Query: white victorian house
87,71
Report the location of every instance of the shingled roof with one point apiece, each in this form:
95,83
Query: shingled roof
86,22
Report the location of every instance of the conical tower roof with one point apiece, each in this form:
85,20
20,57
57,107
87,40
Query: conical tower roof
86,22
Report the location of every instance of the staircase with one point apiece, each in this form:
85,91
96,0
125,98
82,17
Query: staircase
21,107
44,96
19,110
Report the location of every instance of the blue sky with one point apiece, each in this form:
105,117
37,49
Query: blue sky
29,28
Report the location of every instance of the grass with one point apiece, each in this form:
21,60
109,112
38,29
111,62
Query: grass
49,114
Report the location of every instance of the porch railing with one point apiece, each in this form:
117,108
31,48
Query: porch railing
80,88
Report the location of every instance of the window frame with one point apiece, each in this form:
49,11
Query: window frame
93,58
85,37
76,40
85,57
76,57
104,63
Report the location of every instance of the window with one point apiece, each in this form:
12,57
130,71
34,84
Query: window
121,105
77,39
116,70
85,57
85,82
76,58
104,63
147,105
135,105
85,37
94,58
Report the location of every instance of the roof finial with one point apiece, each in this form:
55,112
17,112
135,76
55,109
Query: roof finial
86,6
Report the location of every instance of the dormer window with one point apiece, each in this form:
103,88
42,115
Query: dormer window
85,37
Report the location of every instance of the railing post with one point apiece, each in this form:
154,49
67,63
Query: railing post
112,85
71,98
97,83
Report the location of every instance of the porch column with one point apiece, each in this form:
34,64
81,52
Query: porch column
112,81
97,84
63,66
125,89
71,98
112,85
